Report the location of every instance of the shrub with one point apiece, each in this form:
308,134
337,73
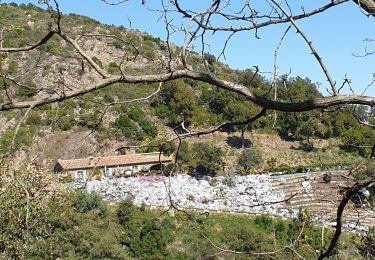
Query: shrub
126,211
13,66
327,178
26,92
169,148
97,61
127,127
358,138
113,68
245,239
84,202
34,119
151,38
66,123
168,169
152,240
250,158
366,245
208,159
211,59
148,128
265,222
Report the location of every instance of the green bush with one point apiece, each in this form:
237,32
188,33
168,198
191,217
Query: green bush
34,119
66,123
126,211
151,38
148,128
113,68
264,222
366,246
84,202
98,62
26,92
246,239
250,158
23,139
169,148
208,159
152,239
359,138
127,127
13,66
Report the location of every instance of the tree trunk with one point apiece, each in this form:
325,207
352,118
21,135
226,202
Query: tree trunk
242,137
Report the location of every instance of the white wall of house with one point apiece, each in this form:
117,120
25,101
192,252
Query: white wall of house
83,174
128,170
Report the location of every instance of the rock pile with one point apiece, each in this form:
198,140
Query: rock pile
246,194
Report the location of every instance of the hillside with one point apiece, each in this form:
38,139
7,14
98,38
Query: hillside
100,122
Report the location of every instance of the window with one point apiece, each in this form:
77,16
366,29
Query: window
80,175
135,168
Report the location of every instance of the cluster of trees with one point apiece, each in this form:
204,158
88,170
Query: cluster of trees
179,103
201,159
133,125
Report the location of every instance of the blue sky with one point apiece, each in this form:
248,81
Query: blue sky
336,34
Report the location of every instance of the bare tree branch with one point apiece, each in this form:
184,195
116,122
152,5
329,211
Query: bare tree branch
261,101
311,46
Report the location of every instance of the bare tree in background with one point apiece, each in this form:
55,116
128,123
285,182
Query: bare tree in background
196,27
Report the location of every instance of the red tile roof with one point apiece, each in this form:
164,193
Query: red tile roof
119,160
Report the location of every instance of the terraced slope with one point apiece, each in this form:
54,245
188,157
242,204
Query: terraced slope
309,191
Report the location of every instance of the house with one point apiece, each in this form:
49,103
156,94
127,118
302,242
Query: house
119,165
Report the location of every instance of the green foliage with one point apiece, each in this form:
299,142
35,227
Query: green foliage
126,211
145,237
169,148
98,61
313,127
297,90
367,171
184,153
210,58
84,202
327,178
250,158
250,79
151,240
180,100
23,139
148,37
134,113
127,127
148,128
208,159
26,92
89,120
264,222
21,220
13,66
366,246
162,111
66,122
76,235
133,126
113,68
245,239
34,119
359,138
